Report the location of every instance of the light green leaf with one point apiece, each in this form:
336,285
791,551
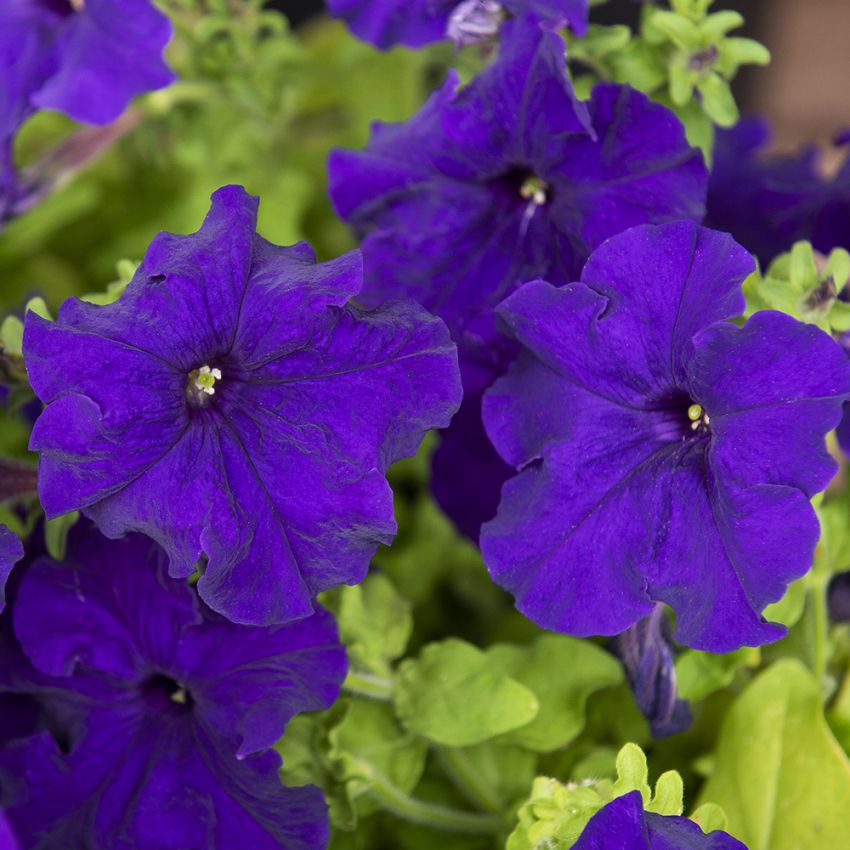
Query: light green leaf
678,28
632,773
368,744
582,668
734,52
56,534
780,775
699,674
682,81
717,100
669,795
803,270
455,695
716,25
789,609
12,335
374,623
709,817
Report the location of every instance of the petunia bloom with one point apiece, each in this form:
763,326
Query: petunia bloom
233,406
161,711
86,58
506,180
768,202
415,23
11,551
664,454
623,824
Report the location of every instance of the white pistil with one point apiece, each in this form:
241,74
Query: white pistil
78,5
206,378
534,190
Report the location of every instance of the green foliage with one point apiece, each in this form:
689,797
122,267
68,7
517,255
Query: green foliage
780,775
56,534
555,814
683,57
375,623
454,694
805,285
583,669
699,674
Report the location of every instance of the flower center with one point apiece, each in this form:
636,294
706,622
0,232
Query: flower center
698,418
168,692
535,190
77,5
201,384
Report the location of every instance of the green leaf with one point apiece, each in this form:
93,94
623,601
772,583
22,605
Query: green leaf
734,52
677,28
582,669
682,82
709,817
56,534
368,745
125,270
838,267
669,795
717,100
789,609
305,752
455,695
716,25
632,773
555,815
780,775
803,270
374,623
699,674
497,776
12,335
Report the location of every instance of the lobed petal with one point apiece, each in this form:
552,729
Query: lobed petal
106,54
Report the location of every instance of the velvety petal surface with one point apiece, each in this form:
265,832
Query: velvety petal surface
277,477
163,710
155,785
623,825
112,611
108,52
711,513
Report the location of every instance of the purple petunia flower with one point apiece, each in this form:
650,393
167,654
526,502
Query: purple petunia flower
233,406
623,824
769,202
664,454
86,58
11,551
418,22
161,711
504,181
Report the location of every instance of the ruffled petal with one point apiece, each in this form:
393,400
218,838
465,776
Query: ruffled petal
106,54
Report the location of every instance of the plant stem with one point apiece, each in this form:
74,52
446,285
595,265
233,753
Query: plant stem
432,814
367,685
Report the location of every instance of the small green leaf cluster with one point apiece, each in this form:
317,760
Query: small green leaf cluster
806,285
555,814
683,57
